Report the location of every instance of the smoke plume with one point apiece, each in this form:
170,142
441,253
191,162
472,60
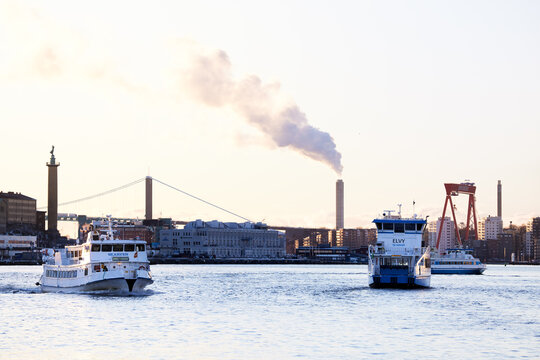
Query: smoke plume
210,80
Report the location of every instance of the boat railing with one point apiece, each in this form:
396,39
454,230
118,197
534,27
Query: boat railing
401,252
421,265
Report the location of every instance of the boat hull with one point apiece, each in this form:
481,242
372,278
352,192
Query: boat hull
477,271
400,282
113,285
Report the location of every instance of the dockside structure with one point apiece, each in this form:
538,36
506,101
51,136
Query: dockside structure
223,240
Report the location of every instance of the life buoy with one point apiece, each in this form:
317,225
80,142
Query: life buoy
142,268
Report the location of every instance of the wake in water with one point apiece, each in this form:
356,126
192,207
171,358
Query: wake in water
12,289
119,293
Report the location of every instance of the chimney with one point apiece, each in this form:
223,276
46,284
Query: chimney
339,204
499,199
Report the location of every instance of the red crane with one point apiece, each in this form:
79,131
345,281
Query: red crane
467,188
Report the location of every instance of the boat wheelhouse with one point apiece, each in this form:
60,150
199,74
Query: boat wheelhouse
102,263
456,261
399,259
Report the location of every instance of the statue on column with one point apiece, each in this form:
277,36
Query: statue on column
53,160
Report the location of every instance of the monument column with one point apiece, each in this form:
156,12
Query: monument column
52,205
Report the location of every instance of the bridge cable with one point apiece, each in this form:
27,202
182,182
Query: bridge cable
204,201
97,195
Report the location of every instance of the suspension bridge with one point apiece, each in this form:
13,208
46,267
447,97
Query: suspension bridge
84,219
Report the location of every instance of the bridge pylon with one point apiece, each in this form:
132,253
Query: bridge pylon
148,198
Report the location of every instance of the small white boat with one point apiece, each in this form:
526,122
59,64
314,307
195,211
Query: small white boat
398,259
102,263
456,261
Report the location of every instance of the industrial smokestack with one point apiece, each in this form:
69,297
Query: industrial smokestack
499,199
339,204
148,212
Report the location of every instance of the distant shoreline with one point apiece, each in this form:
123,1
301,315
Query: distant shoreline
190,261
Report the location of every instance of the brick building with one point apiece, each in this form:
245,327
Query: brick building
17,211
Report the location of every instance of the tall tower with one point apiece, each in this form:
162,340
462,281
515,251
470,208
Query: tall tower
499,199
52,202
339,204
148,198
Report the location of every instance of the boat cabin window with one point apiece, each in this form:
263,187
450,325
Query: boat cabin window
140,247
389,262
399,227
96,247
106,247
388,226
419,227
410,227
129,247
118,247
379,226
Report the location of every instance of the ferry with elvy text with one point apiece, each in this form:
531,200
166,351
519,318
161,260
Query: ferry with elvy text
103,263
399,257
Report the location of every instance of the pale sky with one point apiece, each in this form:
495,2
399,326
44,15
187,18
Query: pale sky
201,95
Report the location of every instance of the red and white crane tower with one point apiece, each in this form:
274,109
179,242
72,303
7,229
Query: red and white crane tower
467,188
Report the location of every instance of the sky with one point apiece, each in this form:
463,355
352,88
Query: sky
259,107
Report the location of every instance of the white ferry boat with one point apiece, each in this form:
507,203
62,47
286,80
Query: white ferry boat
456,261
398,259
102,263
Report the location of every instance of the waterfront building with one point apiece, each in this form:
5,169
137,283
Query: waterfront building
321,237
533,229
324,253
355,238
533,226
504,248
529,246
313,239
448,234
18,210
13,244
40,220
3,216
490,228
223,240
295,236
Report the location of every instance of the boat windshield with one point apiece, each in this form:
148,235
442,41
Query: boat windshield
117,247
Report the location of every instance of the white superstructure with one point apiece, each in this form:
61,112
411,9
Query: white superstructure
456,261
102,263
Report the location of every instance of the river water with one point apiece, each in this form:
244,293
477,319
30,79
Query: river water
275,312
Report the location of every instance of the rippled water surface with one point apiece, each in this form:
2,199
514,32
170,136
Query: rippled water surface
275,312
